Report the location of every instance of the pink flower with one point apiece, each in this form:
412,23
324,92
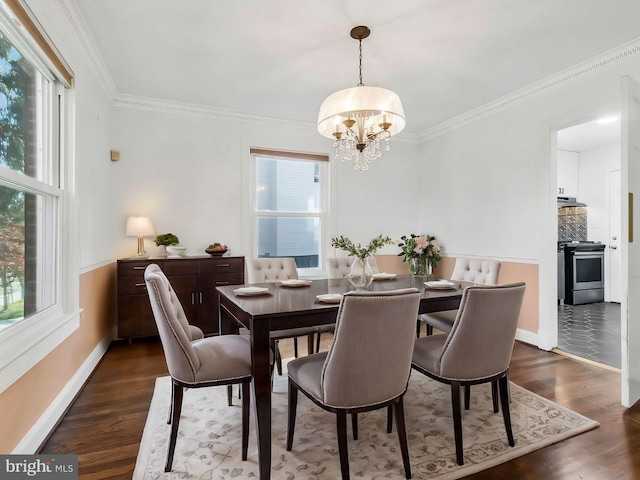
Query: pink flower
422,242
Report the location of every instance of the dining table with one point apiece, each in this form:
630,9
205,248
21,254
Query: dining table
264,307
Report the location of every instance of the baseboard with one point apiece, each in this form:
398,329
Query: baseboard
527,337
37,435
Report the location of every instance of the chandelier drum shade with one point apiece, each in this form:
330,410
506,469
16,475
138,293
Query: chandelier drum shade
358,118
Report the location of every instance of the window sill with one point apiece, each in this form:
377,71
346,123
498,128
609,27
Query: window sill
23,345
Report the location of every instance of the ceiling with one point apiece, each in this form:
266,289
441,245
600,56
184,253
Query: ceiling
281,58
590,135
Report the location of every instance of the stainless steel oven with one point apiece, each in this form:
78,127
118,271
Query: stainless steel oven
584,273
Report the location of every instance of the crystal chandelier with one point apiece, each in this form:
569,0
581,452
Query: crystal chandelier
361,118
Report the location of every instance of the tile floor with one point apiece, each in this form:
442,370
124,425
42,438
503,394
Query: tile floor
591,331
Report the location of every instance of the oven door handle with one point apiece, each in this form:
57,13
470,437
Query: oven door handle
588,254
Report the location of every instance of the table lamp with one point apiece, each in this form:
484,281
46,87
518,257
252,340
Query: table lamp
140,226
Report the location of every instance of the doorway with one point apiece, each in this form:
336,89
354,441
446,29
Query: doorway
589,157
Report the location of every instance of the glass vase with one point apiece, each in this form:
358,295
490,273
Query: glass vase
422,267
418,266
360,273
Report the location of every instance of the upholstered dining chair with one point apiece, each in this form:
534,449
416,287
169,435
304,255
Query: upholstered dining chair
204,362
271,270
338,267
477,350
481,272
366,368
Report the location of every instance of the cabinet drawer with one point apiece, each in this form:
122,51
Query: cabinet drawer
221,280
180,267
223,265
133,269
131,286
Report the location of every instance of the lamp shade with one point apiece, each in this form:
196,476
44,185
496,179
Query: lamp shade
140,226
377,104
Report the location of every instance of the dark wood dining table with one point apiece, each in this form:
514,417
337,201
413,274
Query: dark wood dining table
281,307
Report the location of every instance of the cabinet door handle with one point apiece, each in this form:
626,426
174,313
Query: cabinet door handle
140,285
223,265
138,268
222,283
200,297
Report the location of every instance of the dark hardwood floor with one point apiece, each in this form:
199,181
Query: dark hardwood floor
104,425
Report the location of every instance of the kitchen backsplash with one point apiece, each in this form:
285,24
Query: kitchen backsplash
572,224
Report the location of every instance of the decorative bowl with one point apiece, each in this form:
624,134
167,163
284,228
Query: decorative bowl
211,251
175,250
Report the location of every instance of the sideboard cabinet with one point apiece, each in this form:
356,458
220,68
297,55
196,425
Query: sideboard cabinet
194,280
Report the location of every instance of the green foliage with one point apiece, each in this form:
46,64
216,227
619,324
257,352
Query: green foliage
358,250
14,310
167,239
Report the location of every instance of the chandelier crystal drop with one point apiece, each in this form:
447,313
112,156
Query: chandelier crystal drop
361,119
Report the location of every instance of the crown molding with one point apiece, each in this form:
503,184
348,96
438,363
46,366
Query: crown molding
196,110
606,59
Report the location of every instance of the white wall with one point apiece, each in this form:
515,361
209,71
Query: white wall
190,174
93,178
497,172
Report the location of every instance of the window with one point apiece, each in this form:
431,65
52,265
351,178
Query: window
290,207
29,200
38,306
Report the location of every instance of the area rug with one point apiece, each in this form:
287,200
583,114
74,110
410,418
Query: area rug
209,441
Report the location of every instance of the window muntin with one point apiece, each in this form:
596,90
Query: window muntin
290,199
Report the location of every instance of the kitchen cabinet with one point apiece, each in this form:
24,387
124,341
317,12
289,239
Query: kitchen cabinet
194,279
568,165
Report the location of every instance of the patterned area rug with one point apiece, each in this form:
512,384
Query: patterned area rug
209,440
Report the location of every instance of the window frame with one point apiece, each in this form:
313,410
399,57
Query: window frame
322,214
27,342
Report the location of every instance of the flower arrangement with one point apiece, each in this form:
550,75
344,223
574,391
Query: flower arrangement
420,247
343,243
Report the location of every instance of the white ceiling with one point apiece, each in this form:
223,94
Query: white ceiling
281,58
590,135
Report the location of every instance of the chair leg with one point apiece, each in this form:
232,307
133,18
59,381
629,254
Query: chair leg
176,410
295,350
429,329
402,436
310,343
354,425
293,406
418,325
467,396
278,358
319,334
457,421
170,407
341,423
506,414
246,396
494,395
229,395
389,419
